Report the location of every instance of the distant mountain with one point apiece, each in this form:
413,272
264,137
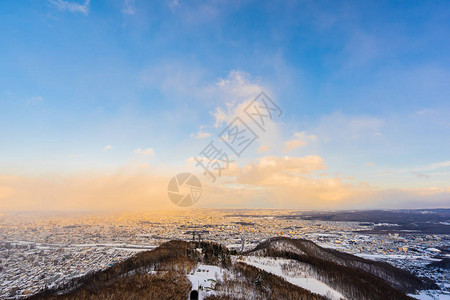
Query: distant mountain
279,268
426,221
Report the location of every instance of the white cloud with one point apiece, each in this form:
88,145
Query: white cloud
106,148
340,127
422,112
263,148
35,100
129,8
433,166
292,144
299,139
419,175
439,165
202,135
238,89
225,97
220,116
72,6
174,4
424,171
176,80
148,151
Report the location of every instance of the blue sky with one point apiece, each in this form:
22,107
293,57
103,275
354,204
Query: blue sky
364,84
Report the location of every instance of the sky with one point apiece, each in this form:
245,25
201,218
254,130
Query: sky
103,102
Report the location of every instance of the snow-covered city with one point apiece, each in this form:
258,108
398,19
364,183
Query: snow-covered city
44,251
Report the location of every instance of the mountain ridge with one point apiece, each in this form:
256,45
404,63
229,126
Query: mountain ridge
163,273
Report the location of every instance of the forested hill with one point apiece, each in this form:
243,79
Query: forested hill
166,273
355,277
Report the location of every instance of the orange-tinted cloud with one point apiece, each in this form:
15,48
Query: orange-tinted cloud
271,181
299,139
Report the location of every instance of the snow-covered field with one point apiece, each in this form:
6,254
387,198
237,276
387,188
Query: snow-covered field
298,278
395,256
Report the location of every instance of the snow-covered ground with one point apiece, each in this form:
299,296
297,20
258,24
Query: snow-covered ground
395,256
429,295
204,277
274,266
